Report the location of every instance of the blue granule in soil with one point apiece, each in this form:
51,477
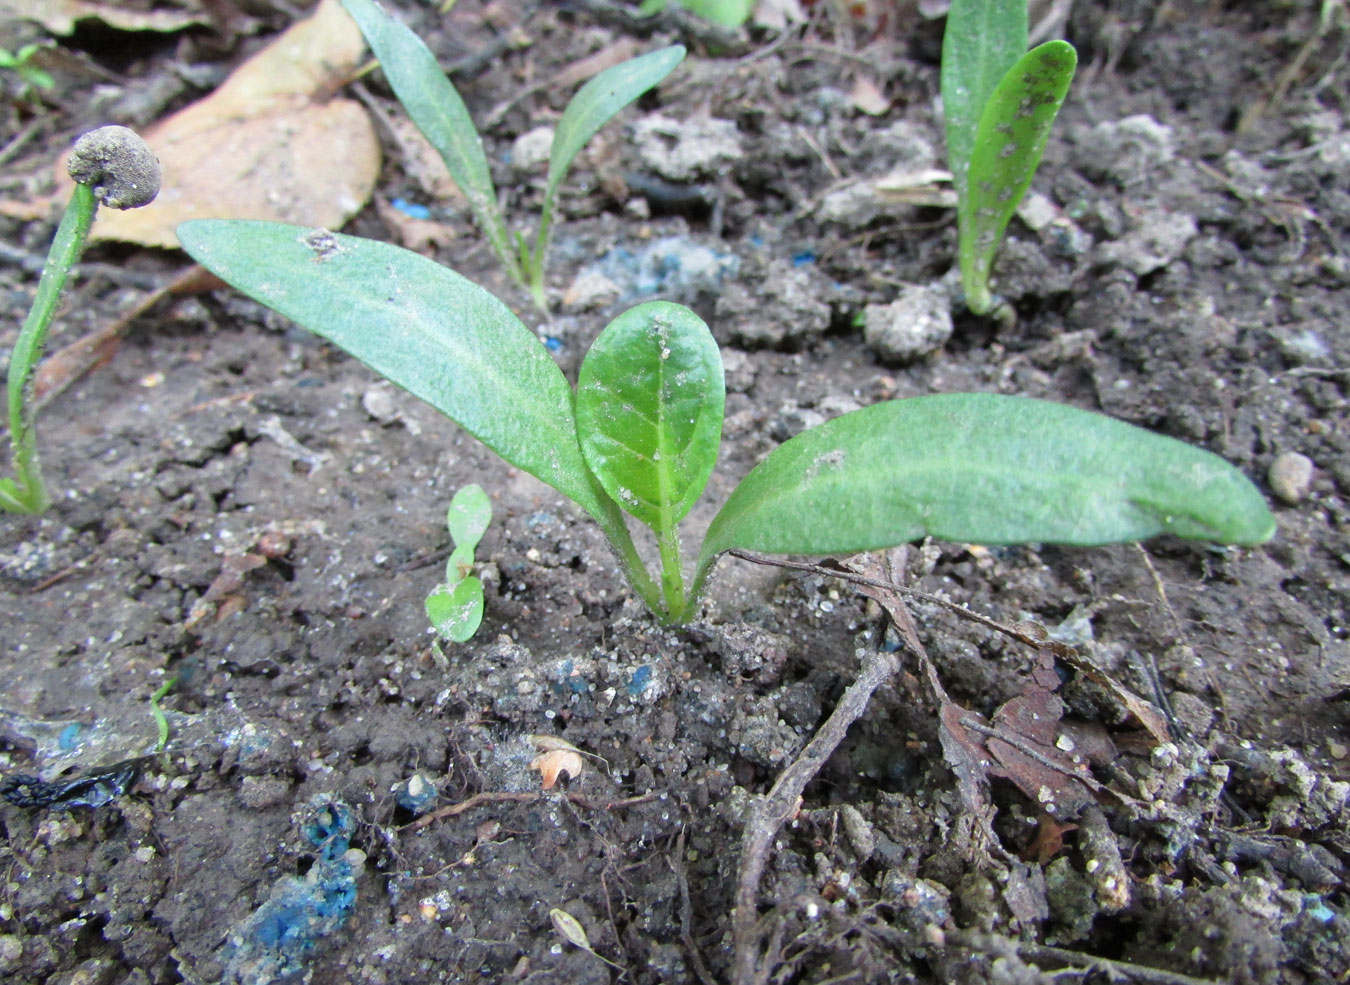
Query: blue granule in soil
277,939
411,209
640,681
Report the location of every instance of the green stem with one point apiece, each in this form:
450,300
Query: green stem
616,531
161,723
27,492
672,575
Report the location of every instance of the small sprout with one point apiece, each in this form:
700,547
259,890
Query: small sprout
999,101
554,765
22,64
435,106
124,170
571,930
157,713
455,607
639,434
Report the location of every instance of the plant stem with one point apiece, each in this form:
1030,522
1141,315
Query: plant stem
616,532
27,493
672,577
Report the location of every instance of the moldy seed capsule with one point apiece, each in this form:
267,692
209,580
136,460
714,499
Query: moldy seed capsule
118,165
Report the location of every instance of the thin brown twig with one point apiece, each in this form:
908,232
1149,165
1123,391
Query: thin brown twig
857,579
508,797
1043,953
687,915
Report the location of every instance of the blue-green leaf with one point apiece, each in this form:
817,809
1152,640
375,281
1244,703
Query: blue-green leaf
467,517
650,399
987,469
435,106
437,335
456,611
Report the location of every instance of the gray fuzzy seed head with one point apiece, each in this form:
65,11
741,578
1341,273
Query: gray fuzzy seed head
118,165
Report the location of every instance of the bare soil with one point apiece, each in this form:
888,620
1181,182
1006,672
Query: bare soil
247,509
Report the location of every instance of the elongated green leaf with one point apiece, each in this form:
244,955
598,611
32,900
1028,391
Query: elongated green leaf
728,13
435,106
438,336
987,469
650,398
1011,137
456,611
982,40
467,517
594,105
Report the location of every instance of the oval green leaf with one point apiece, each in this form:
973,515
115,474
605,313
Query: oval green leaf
650,399
987,469
1009,142
432,332
467,518
456,612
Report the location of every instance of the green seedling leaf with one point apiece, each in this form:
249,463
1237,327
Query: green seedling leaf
982,41
456,611
468,517
650,399
1009,143
433,333
594,105
986,469
435,106
728,13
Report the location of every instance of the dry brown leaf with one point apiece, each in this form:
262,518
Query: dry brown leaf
553,765
264,145
867,97
60,16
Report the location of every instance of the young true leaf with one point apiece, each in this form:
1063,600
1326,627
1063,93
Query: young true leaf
650,396
435,106
456,611
983,39
1009,142
988,469
468,517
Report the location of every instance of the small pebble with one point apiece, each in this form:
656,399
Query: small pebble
1291,476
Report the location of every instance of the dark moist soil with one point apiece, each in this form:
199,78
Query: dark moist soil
245,508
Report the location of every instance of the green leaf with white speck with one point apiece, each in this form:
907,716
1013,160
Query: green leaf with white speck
650,399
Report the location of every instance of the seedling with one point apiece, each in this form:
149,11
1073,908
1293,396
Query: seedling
640,433
111,165
22,64
455,608
436,108
728,13
999,101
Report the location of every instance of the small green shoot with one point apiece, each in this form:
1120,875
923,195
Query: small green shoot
727,13
455,607
436,108
22,64
640,434
157,713
112,165
999,101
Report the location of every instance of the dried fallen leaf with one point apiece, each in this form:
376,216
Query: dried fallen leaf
264,145
552,765
550,743
867,97
60,16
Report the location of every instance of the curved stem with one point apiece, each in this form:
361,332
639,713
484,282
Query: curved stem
27,493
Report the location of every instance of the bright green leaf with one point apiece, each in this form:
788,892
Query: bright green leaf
1009,142
650,399
435,106
456,612
438,336
986,469
728,13
468,517
982,40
